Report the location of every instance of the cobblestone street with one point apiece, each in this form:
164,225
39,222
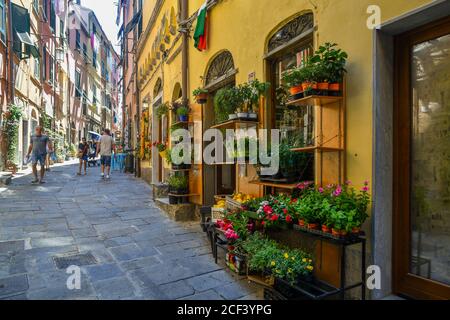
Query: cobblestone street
126,247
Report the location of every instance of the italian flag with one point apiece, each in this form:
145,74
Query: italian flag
201,30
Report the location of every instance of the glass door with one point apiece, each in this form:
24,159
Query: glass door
422,180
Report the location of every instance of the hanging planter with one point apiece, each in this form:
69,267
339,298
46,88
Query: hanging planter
201,95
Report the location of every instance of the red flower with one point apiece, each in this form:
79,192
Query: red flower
288,219
268,210
274,217
285,211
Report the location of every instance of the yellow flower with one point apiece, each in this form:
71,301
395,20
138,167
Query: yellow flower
293,258
273,263
305,260
286,256
310,261
277,271
289,270
310,268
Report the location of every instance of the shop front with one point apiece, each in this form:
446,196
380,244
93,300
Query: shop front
341,124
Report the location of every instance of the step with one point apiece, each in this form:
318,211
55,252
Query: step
5,178
178,212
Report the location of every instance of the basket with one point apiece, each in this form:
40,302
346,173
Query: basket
233,204
217,214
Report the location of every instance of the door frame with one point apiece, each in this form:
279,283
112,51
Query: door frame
403,281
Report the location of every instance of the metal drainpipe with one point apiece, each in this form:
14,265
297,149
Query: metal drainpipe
185,53
138,126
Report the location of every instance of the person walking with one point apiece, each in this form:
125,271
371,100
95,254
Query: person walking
105,148
38,152
83,149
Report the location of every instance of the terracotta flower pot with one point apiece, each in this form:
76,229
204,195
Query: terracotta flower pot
201,98
334,87
301,223
326,229
323,85
295,90
313,226
309,86
338,233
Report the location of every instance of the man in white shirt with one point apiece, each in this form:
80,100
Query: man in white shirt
105,148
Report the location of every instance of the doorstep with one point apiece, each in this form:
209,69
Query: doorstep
178,212
5,178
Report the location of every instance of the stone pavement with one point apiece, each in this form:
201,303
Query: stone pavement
125,246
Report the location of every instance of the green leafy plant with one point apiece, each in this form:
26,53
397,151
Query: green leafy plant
178,182
292,77
199,91
162,110
182,111
11,128
268,256
226,101
331,60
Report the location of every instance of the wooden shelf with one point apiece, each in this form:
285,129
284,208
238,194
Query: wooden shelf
233,124
317,148
315,101
290,186
183,195
181,123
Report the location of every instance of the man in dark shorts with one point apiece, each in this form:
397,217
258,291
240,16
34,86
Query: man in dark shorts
105,148
39,144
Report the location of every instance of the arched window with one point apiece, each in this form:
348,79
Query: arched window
177,92
158,88
221,67
291,31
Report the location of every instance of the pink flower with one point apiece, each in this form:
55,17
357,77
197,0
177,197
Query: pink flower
366,183
321,190
231,235
338,191
348,182
365,189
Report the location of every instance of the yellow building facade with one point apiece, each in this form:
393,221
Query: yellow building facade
248,40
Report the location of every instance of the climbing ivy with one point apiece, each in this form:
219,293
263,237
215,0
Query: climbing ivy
13,116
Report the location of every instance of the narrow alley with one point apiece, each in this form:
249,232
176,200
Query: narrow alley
126,248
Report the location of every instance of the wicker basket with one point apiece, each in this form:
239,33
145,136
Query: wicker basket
217,214
233,204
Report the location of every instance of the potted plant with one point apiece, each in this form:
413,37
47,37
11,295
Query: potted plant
307,75
333,61
162,110
257,90
241,115
292,78
201,95
225,104
162,148
183,113
178,184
